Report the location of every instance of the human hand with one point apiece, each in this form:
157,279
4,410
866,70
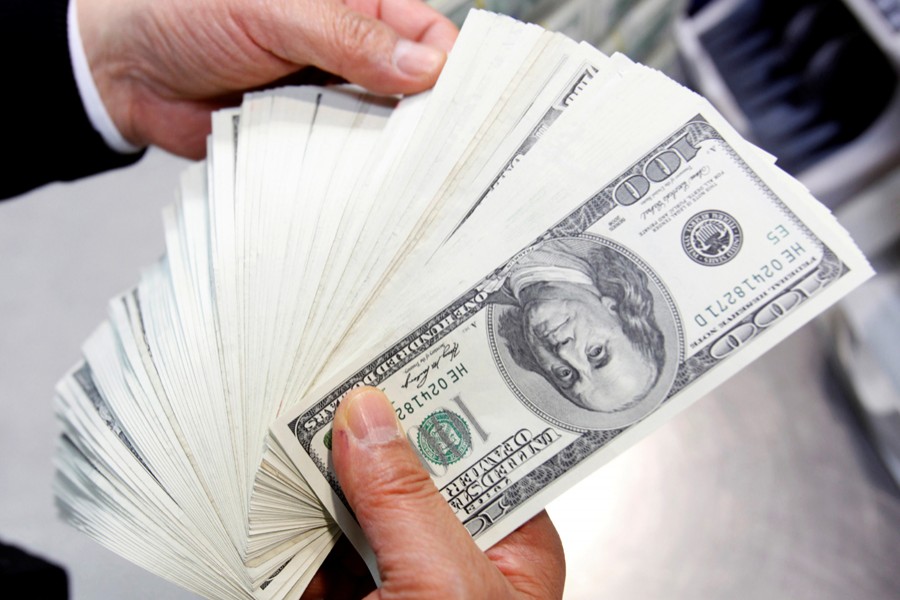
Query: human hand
161,66
422,549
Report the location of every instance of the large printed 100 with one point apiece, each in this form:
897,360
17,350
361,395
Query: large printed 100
653,291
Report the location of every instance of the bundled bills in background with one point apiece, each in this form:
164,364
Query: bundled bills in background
540,260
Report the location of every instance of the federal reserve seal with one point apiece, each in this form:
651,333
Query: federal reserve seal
711,237
444,437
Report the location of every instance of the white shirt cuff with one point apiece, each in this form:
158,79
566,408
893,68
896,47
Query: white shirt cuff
87,89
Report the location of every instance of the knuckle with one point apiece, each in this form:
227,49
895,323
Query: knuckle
404,480
392,484
355,36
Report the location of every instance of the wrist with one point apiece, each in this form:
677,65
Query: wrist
104,92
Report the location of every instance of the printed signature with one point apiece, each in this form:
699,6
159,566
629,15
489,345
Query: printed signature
420,378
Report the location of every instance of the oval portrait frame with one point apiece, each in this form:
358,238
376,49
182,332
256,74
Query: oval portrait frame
539,395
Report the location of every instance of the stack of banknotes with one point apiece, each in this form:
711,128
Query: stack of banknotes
540,260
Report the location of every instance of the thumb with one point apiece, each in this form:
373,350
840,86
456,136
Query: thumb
404,517
360,48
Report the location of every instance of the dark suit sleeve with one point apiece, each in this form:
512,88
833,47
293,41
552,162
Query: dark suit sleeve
48,134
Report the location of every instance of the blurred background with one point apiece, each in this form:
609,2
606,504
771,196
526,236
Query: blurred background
783,483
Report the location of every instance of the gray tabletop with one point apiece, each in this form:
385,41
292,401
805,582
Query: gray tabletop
764,489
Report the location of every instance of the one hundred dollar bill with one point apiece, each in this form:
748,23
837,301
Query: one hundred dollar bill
668,279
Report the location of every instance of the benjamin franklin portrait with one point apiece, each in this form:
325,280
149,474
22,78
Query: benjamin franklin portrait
584,316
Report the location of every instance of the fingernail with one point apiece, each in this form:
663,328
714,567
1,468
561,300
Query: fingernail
417,59
370,416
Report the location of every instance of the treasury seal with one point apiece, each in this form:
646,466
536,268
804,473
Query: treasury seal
711,237
444,437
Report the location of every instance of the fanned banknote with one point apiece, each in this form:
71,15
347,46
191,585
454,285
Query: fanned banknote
539,261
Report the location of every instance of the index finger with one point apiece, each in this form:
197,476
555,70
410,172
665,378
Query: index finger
532,559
